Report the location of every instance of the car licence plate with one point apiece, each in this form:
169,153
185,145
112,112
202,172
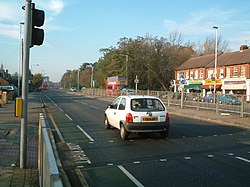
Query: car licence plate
149,118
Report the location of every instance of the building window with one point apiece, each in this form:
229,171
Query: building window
228,72
196,74
210,74
243,71
179,75
201,74
191,75
236,72
221,73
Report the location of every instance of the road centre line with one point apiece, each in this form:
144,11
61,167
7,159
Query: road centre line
86,134
132,178
91,105
68,117
243,159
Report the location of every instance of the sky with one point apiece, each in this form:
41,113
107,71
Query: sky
76,30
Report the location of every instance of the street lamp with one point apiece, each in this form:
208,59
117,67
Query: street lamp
215,58
92,74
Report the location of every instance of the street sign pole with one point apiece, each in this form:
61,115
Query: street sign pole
25,78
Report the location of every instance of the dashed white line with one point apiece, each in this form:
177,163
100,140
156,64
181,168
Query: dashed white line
243,159
86,134
68,117
132,178
61,109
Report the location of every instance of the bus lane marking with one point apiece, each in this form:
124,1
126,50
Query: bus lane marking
131,177
86,134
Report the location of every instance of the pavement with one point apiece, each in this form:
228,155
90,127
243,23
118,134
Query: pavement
12,175
10,172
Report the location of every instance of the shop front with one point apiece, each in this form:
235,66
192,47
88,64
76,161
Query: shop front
234,86
193,86
209,84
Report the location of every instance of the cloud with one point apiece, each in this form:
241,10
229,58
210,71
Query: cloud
8,12
201,22
55,6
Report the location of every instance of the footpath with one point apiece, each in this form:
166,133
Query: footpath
10,172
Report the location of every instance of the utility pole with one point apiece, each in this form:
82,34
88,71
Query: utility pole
25,77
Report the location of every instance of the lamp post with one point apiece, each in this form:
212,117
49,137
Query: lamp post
92,75
215,58
20,57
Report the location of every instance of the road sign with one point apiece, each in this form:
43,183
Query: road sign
182,80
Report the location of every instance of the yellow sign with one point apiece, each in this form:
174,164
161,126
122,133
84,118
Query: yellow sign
211,82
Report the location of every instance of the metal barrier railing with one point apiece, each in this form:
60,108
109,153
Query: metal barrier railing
49,175
192,100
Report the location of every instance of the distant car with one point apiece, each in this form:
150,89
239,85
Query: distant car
137,113
73,89
127,91
229,99
191,96
208,98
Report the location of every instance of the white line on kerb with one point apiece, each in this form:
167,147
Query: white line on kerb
86,134
243,159
68,117
132,178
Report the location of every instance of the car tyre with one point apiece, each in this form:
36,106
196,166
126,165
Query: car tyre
123,132
164,134
106,123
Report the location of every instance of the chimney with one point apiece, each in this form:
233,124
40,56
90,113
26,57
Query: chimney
243,47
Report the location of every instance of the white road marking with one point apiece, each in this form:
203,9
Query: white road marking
187,158
230,154
243,159
91,105
86,134
132,178
137,162
210,156
163,160
68,117
61,109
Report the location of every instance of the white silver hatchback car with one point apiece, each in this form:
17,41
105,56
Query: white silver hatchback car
137,113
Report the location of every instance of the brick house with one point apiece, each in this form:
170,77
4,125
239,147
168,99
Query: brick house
233,73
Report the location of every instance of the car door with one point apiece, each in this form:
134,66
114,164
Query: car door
112,110
120,113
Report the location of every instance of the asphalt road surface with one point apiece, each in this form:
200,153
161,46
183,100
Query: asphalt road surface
196,154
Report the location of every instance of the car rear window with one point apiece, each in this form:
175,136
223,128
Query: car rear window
146,104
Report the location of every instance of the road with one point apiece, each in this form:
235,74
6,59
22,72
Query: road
196,154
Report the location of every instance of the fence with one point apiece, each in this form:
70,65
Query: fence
218,103
49,175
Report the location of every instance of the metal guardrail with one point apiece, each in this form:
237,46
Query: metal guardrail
183,99
49,175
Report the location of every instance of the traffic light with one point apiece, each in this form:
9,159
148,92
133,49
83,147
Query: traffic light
37,20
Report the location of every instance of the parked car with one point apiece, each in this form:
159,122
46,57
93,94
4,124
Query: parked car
137,113
208,98
11,91
229,99
191,96
73,89
127,91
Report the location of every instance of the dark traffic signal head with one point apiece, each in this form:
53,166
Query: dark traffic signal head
37,34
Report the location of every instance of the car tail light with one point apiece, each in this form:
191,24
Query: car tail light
167,117
129,118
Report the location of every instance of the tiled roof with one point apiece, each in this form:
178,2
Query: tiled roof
233,58
224,59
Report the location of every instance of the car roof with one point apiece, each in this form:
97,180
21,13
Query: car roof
139,96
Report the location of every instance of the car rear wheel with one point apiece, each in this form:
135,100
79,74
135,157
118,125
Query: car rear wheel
164,134
106,123
124,134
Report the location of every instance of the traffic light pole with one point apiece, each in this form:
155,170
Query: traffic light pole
25,86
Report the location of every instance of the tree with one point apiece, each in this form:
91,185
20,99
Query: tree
208,47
